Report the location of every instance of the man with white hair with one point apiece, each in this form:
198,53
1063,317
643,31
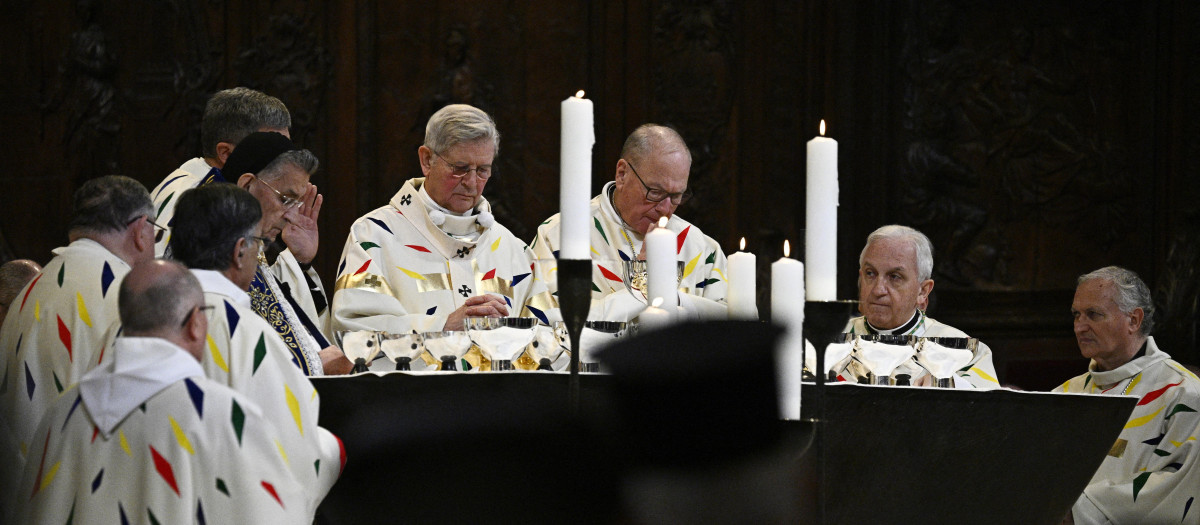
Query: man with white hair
1151,473
895,277
434,254
650,182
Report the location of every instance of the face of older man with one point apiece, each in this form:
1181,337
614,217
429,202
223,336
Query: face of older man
666,172
889,286
453,177
277,197
1103,331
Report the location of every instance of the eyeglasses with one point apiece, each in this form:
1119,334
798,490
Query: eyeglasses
459,171
288,202
658,194
188,317
159,230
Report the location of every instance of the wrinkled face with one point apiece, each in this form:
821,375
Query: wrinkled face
665,172
1103,331
457,194
291,185
889,286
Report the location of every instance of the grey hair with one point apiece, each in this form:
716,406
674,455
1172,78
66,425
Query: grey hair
232,114
162,305
109,204
300,158
1132,292
649,138
920,244
209,221
459,123
14,275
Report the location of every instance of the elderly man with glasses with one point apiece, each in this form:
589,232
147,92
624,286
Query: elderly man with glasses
651,182
57,324
434,254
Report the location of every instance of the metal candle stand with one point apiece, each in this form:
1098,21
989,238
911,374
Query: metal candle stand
823,322
574,299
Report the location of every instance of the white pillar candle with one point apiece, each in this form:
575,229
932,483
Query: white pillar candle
575,187
787,310
662,270
820,218
654,317
743,288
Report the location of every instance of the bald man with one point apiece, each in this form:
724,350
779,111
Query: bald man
156,440
651,182
14,275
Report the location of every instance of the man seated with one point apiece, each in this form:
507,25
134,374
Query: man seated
147,438
287,292
217,229
434,255
1152,473
56,327
650,182
895,277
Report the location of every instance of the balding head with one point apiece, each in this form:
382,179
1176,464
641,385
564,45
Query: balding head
653,139
159,299
651,177
14,275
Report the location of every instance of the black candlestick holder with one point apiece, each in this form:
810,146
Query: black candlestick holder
574,299
823,323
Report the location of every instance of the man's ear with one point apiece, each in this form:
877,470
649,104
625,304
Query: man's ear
243,180
197,326
1135,320
622,171
426,156
239,251
926,289
223,151
139,243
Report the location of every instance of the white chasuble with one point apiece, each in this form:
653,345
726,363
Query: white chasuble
193,173
55,331
401,273
978,373
1151,474
246,354
148,439
704,263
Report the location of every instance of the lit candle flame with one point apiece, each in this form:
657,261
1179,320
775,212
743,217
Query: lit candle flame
787,249
657,302
662,221
742,245
579,94
822,125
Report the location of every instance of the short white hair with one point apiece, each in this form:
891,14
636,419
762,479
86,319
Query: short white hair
920,244
459,123
1132,292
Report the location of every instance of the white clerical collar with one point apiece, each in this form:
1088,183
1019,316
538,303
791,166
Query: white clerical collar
905,329
140,367
215,282
433,205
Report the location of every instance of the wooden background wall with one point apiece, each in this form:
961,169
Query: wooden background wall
1033,140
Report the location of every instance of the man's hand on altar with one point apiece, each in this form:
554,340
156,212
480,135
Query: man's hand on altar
478,306
335,362
300,234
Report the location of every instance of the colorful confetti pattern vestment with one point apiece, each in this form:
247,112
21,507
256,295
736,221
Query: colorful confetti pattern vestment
401,273
195,452
1151,475
979,372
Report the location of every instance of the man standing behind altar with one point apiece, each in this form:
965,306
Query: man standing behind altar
1151,474
229,116
651,181
895,277
434,254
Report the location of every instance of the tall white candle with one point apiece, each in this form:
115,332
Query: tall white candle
662,273
787,310
575,187
743,289
820,222
654,317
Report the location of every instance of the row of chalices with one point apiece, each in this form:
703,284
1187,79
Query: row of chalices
890,359
500,340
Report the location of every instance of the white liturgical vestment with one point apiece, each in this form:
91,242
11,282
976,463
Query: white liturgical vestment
978,373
